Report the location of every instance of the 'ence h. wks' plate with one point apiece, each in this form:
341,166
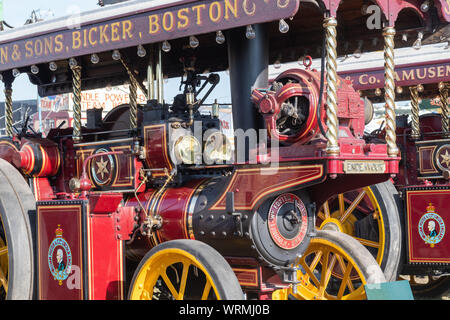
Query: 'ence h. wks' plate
368,166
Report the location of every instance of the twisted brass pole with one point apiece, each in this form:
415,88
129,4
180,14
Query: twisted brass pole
133,102
134,84
443,94
415,129
332,118
8,111
389,88
76,88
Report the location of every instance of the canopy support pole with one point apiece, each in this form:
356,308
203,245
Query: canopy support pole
415,128
389,88
133,102
443,94
76,87
333,149
8,109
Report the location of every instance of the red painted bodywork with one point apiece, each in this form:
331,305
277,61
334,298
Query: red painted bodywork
389,8
8,149
251,185
105,258
69,217
417,202
116,211
417,159
38,157
157,155
422,183
97,257
97,224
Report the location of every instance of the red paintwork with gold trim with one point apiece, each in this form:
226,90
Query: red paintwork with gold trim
422,182
179,206
38,157
417,202
7,149
97,255
105,258
155,144
69,217
419,157
95,228
173,207
270,103
121,172
253,184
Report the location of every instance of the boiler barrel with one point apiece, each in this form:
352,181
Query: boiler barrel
186,214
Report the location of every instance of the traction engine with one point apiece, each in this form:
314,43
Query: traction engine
166,184
153,200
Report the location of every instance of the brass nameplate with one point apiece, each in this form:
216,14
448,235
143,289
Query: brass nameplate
367,166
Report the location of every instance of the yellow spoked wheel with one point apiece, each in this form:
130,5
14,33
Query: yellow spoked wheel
334,267
3,264
371,216
184,270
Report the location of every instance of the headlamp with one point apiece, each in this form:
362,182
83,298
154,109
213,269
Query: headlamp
187,149
217,148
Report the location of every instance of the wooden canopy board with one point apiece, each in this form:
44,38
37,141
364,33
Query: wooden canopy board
426,73
125,26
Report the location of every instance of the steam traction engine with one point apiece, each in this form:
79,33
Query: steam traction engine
417,214
154,201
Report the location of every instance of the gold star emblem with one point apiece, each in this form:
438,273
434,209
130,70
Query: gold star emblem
446,158
101,165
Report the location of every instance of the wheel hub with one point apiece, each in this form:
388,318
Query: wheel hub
287,221
334,223
290,223
331,224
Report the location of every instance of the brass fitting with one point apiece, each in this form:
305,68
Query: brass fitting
415,128
443,95
389,89
76,88
332,118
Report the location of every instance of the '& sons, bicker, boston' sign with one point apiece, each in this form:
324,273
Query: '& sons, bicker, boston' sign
134,28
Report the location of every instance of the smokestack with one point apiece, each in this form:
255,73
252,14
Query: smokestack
248,62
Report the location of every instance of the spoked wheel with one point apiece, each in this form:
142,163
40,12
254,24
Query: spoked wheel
17,211
184,270
3,265
334,267
371,216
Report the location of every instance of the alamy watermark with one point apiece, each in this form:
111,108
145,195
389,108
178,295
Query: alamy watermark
374,21
251,146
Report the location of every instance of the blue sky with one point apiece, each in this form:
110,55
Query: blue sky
16,12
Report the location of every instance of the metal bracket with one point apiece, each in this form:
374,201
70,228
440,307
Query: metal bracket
229,205
289,275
